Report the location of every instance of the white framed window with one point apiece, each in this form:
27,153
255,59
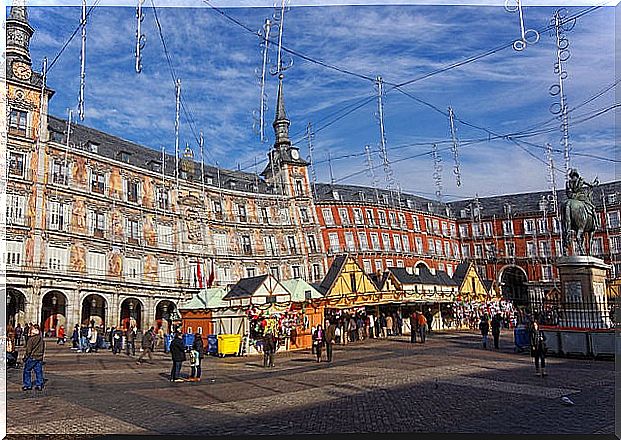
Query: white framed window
344,215
98,182
18,121
97,223
271,247
531,249
217,210
60,216
304,215
362,239
400,263
613,219
465,250
246,244
544,248
59,172
221,244
542,225
132,230
510,250
476,230
316,272
132,190
286,220
438,247
449,270
487,229
419,245
14,253
597,246
311,243
463,230
507,227
57,259
436,227
529,226
375,242
251,272
615,244
456,250
379,266
428,227
242,216
478,251
370,217
415,223
445,229
167,272
366,265
546,272
402,222
393,219
333,238
17,164
96,263
397,242
292,244
264,215
406,243
133,269
447,248
390,263
431,246
558,248
358,219
382,217
350,243
386,240
453,230
165,235
556,225
15,209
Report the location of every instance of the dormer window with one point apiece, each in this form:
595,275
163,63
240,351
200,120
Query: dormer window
156,166
93,147
361,195
385,198
56,136
123,156
335,195
232,184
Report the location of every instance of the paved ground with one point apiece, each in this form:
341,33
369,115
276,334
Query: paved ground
449,384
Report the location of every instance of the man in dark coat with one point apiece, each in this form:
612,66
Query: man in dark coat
269,348
33,360
484,327
496,322
177,352
329,340
130,340
148,344
413,327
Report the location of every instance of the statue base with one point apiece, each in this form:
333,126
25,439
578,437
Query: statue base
583,288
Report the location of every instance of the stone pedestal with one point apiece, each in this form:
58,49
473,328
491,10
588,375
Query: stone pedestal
583,287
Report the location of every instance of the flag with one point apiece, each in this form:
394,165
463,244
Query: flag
212,275
199,275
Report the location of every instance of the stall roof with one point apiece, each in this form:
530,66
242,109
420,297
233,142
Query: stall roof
424,276
298,287
333,273
205,299
246,287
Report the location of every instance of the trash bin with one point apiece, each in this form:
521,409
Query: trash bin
188,340
521,339
167,341
212,344
228,344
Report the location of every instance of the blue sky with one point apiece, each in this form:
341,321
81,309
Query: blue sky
217,61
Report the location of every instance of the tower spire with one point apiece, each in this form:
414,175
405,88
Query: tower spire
18,34
281,123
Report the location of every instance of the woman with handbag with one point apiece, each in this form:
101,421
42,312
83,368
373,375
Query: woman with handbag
318,341
196,356
538,348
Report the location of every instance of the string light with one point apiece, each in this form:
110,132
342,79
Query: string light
140,37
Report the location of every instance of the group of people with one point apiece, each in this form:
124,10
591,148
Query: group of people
485,326
178,355
324,338
419,325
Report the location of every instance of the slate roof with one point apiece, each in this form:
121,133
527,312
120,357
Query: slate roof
110,147
460,272
526,203
367,195
424,276
246,287
488,285
335,269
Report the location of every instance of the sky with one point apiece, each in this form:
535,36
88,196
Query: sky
217,62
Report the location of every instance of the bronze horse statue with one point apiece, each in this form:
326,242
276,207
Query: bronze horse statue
578,214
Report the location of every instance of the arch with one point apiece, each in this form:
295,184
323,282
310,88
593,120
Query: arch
421,263
163,312
15,307
53,311
513,281
94,310
131,313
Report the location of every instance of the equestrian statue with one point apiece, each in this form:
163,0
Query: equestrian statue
578,213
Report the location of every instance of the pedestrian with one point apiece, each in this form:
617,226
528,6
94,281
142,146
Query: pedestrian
422,327
93,337
372,333
496,323
26,332
84,338
160,337
367,327
33,360
130,340
360,325
148,344
177,353
269,349
18,335
117,341
61,335
330,339
352,329
383,325
399,324
196,356
318,341
429,317
389,325
484,328
413,327
75,337
110,337
538,348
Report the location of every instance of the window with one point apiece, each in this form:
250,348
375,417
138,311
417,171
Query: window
358,216
397,242
463,231
436,227
133,231
246,245
362,239
241,213
312,244
251,272
375,242
531,250
507,227
546,272
344,216
431,247
350,243
465,250
299,188
487,229
59,172
476,230
438,247
57,259
456,250
335,246
132,190
490,251
428,227
558,248
15,209
419,245
379,266
165,235
370,217
275,271
264,214
597,246
544,248
441,266
402,222
163,201
217,210
400,263
304,215
556,225
393,219
292,245
447,248
453,230
133,268
98,225
382,217
60,216
386,240
613,219
542,225
406,243
389,264
16,164
445,229
316,272
510,250
415,222
18,122
98,182
335,195
615,244
167,273
327,216
478,251
271,248
308,295
529,226
296,272
14,251
449,270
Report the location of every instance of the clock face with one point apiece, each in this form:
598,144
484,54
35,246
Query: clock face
295,154
22,70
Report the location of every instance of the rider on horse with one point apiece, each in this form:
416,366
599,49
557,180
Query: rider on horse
576,188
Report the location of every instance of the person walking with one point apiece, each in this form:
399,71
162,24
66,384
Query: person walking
269,349
148,344
352,329
429,317
389,325
130,340
117,341
26,332
496,323
83,338
484,328
413,327
61,335
196,356
75,338
33,360
383,325
372,333
399,323
92,339
538,348
177,353
160,337
330,339
318,341
422,327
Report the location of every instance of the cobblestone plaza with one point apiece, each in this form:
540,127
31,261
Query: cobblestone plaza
449,385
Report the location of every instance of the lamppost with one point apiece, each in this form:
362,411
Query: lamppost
54,320
166,316
130,305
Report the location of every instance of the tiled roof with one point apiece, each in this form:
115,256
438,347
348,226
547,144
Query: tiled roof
424,276
460,272
246,287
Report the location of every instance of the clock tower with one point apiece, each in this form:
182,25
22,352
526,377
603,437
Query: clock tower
18,35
